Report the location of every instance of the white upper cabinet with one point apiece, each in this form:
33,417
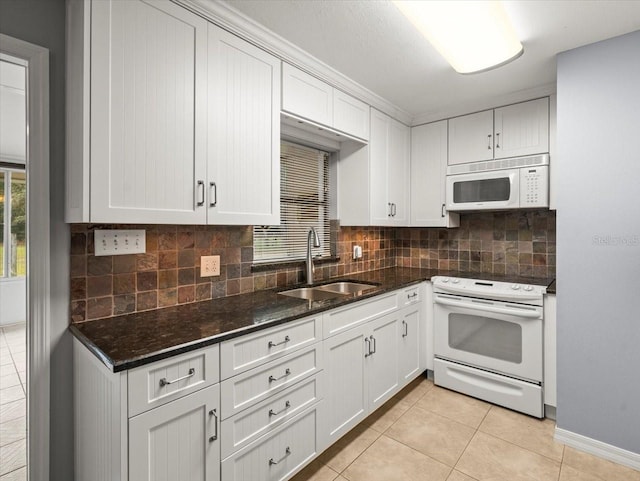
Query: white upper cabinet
309,98
522,129
148,113
243,132
389,170
511,131
471,138
428,173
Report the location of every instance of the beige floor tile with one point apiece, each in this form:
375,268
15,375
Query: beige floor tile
17,475
458,476
7,369
527,432
602,468
5,358
349,447
23,377
341,478
490,458
13,410
386,415
567,473
9,380
316,471
415,390
11,394
456,406
12,431
387,460
20,365
13,456
432,434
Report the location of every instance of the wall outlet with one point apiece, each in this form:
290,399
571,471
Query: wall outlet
209,266
119,242
357,252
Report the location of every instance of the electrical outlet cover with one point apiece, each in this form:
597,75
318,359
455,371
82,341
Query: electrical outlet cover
209,266
114,242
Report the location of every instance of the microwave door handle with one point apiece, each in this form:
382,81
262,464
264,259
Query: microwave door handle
486,308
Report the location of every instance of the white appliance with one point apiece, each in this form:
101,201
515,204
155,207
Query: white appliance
518,183
488,341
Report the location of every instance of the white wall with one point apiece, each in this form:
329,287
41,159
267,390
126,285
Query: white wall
598,243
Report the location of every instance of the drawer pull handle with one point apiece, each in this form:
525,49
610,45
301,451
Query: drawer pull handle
164,382
286,373
406,329
412,296
287,452
274,344
373,344
215,434
287,405
368,347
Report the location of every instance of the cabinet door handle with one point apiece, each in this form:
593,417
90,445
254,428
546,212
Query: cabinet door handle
412,296
287,452
287,405
442,211
389,204
368,348
274,344
373,344
489,141
406,328
215,420
212,185
286,373
200,189
164,382
393,210
498,140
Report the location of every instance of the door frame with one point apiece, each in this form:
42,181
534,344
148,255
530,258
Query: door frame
38,252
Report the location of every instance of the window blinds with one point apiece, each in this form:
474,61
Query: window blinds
304,203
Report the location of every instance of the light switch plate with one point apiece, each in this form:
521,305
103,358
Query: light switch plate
116,242
209,266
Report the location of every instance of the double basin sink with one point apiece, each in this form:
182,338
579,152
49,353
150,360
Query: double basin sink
329,291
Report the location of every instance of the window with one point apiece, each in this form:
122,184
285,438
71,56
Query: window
13,246
304,203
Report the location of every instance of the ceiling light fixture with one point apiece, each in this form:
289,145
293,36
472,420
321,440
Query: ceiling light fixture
473,36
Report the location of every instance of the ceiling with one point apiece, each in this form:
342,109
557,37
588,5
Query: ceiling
372,43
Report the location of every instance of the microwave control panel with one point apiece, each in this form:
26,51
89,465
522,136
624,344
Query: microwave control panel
534,187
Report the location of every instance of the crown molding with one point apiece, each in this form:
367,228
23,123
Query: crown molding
230,19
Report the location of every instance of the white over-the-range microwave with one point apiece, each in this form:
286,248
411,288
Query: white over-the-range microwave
517,183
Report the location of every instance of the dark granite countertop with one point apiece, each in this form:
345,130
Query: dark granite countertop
132,340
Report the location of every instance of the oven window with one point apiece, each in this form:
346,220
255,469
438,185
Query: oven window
486,336
482,190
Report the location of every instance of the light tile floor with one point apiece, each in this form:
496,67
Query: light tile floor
427,433
13,431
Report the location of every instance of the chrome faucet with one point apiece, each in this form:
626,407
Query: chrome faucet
316,243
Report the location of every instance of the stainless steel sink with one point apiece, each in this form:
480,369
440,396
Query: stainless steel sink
346,287
329,291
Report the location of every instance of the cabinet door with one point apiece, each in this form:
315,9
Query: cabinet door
177,441
350,115
398,167
243,132
428,175
411,337
382,362
148,113
471,138
345,400
522,129
306,96
379,145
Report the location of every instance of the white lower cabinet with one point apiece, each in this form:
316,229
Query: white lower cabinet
178,441
411,336
382,359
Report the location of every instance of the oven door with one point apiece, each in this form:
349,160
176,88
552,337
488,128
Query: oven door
495,335
498,189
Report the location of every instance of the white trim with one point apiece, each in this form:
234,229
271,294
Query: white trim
230,19
38,255
598,448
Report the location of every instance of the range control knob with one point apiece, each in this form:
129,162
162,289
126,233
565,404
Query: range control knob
528,288
455,281
515,287
446,279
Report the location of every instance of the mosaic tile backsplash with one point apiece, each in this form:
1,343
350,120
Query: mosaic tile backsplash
519,243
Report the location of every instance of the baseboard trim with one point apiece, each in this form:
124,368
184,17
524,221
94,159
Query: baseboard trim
598,448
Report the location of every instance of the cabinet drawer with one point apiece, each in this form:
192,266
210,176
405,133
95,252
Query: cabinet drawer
278,455
155,384
306,96
247,426
241,354
339,320
250,387
411,295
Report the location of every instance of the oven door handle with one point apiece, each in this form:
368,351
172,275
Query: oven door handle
480,307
